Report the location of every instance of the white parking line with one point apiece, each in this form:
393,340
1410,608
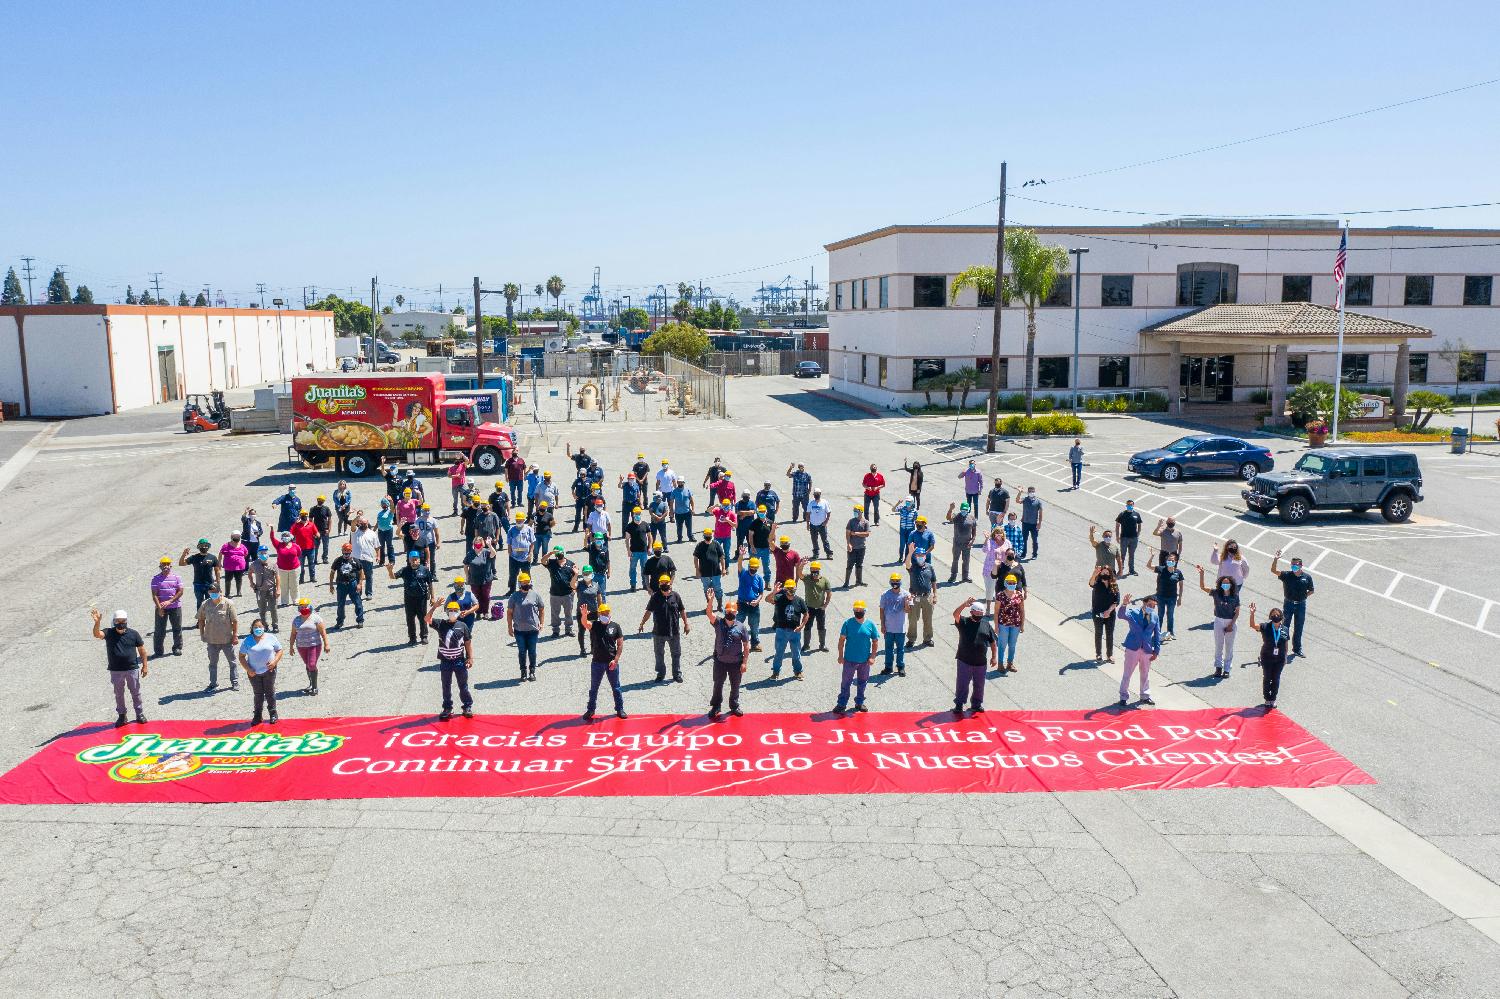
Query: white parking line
23,457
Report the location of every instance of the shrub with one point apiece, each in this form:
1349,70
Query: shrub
1152,402
1041,404
1425,405
1048,423
1261,396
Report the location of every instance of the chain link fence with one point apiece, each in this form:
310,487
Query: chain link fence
625,387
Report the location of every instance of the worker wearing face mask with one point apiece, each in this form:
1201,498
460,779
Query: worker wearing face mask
669,623
455,657
731,657
1273,642
1226,598
1296,587
1169,584
1128,525
125,653
1106,551
525,613
606,645
859,641
1142,645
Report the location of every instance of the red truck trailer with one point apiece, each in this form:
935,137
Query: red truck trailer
360,418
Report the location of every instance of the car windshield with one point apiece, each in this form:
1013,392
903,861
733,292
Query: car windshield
1314,463
1183,445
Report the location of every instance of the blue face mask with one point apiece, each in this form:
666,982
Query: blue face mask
257,632
1296,568
1224,587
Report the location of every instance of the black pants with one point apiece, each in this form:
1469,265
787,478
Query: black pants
234,582
580,511
172,616
856,566
263,685
818,533
799,504
1270,677
1104,627
731,672
455,669
872,509
815,615
416,617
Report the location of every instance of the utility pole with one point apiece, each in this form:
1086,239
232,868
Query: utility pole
478,333
1078,253
260,289
993,409
156,284
26,266
374,316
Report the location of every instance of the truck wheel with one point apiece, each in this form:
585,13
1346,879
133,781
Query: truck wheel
1397,508
1294,509
359,464
487,460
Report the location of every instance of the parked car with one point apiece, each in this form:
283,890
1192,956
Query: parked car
1341,478
809,369
1203,454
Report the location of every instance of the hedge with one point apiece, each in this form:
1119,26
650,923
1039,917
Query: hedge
1049,423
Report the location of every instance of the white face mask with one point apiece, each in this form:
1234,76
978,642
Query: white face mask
604,619
453,615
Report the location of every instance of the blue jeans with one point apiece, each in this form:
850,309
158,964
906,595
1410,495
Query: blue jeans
684,526
764,554
597,672
1077,473
895,650
526,647
369,571
905,540
728,545
788,639
969,685
659,532
387,545
1006,636
752,621
1168,607
1294,616
455,670
515,491
714,585
347,592
309,565
637,559
200,594
857,674
543,543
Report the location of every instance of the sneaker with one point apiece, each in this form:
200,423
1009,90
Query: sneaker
900,672
796,676
588,716
736,712
445,714
978,709
676,677
1147,700
838,709
755,648
253,721
468,712
887,671
713,715
234,685
120,720
1124,703
273,719
621,714
860,708
958,709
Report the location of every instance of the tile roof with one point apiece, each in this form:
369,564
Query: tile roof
1291,320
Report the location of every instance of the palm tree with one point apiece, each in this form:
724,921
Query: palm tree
555,288
967,379
511,291
400,301
1035,267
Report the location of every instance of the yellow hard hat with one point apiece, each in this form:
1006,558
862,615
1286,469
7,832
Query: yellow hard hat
783,540
322,498
604,608
406,492
663,578
520,515
451,605
895,577
1011,579
859,605
858,508
665,462
815,565
499,484
921,520
459,581
640,456
760,508
656,545
524,577
728,475
546,475
165,560
304,602
755,563
426,506
542,503
790,584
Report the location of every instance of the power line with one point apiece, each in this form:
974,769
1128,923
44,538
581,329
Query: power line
1273,215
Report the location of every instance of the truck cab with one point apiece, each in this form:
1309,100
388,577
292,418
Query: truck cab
462,428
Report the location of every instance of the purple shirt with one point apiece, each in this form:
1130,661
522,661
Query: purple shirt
973,481
163,587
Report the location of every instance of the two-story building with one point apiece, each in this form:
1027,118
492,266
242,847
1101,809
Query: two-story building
1200,310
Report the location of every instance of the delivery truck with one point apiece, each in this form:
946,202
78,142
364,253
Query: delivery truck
359,419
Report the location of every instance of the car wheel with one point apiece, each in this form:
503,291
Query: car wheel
1171,473
1397,508
487,460
1249,470
359,465
1294,509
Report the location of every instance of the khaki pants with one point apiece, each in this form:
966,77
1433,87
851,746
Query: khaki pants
921,608
288,586
265,606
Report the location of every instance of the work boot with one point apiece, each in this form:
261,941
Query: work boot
120,720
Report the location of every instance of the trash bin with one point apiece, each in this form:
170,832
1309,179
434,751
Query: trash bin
1460,440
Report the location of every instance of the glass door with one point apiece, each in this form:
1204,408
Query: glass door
1208,379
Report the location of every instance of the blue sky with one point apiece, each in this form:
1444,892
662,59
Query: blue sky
321,143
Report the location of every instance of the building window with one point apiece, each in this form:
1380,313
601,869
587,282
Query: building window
838,295
1478,288
1418,289
1296,287
1207,284
929,291
924,369
986,299
880,364
864,293
1356,369
1296,369
1359,289
1416,368
1471,366
1114,371
864,368
1061,294
983,366
1117,291
1052,372
885,300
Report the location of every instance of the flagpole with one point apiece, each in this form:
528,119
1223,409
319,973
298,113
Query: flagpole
1338,363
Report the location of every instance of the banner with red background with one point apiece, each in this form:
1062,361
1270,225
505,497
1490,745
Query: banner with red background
551,755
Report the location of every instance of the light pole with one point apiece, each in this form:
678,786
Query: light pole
1078,253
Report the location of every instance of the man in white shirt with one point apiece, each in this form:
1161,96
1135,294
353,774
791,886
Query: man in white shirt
817,523
598,520
364,542
666,479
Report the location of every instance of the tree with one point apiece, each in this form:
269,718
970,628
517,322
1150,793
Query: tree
1035,267
555,288
511,291
683,310
182,298
459,310
147,298
82,296
400,301
1457,354
634,318
731,319
130,298
682,340
966,379
685,290
498,327
350,318
201,302
456,332
57,288
1425,405
1315,400
12,294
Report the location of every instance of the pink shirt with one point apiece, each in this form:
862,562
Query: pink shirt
724,489
724,521
234,557
406,510
458,473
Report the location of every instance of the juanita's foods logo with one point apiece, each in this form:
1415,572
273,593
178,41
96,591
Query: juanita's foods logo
331,399
151,759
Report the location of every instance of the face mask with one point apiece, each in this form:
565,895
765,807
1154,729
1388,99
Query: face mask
120,625
859,615
525,586
1233,552
1171,563
1171,524
729,617
213,596
1224,587
604,619
1130,506
1010,586
1031,492
1296,568
1108,538
895,586
257,632
453,615
1276,620
304,611
785,547
636,517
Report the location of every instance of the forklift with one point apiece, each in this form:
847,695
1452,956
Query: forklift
205,412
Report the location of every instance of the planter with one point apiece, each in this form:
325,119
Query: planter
1317,438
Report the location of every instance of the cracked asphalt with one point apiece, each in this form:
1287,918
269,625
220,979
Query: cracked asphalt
1152,894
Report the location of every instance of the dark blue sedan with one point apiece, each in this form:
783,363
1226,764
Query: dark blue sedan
1201,454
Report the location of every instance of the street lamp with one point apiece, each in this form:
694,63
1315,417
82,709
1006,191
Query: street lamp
1078,253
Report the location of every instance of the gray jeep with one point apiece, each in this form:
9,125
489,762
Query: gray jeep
1340,478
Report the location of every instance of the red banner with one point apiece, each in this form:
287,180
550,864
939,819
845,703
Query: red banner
549,755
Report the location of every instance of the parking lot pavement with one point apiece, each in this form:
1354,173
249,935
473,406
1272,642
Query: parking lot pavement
1221,892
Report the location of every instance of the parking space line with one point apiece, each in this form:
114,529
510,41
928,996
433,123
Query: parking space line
1392,589
1435,598
1360,565
1484,613
1315,562
18,461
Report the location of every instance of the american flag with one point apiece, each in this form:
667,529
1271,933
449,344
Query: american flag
1338,265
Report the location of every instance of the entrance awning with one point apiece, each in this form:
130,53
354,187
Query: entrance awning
1224,327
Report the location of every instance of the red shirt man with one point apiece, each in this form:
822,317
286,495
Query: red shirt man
788,563
515,468
724,521
724,489
874,482
305,532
